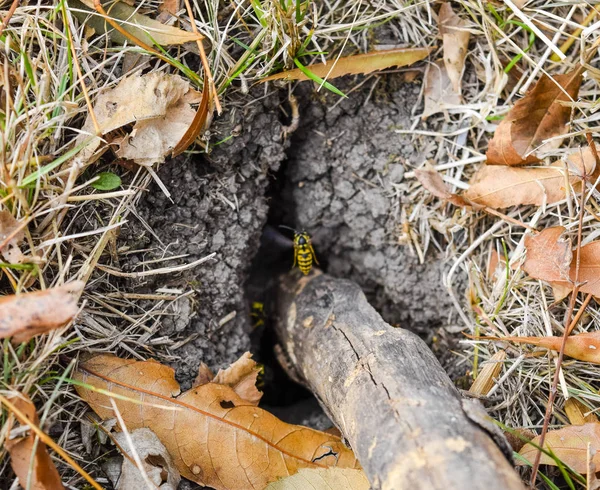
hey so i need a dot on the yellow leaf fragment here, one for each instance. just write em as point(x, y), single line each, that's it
point(488, 374)
point(578, 413)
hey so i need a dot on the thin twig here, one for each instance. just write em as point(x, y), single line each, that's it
point(11, 11)
point(567, 331)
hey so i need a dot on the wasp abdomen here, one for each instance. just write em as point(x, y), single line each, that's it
point(304, 252)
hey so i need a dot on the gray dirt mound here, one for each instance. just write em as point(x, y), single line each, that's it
point(345, 171)
point(219, 205)
point(341, 181)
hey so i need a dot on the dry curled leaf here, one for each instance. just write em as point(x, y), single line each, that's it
point(323, 479)
point(438, 92)
point(23, 316)
point(431, 180)
point(242, 376)
point(156, 461)
point(11, 235)
point(540, 115)
point(44, 475)
point(570, 445)
point(158, 104)
point(455, 39)
point(357, 64)
point(215, 437)
point(501, 187)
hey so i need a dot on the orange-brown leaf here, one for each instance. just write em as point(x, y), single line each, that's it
point(570, 445)
point(357, 64)
point(215, 437)
point(44, 475)
point(554, 268)
point(540, 115)
point(242, 376)
point(25, 315)
point(205, 375)
point(548, 255)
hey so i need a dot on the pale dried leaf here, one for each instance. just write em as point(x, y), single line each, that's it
point(44, 475)
point(569, 444)
point(241, 376)
point(10, 227)
point(431, 180)
point(323, 479)
point(548, 255)
point(154, 139)
point(438, 92)
point(501, 187)
point(137, 98)
point(538, 116)
point(157, 462)
point(215, 437)
point(455, 40)
point(357, 64)
point(147, 30)
point(25, 315)
point(158, 103)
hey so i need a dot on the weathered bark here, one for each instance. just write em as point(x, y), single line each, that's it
point(386, 392)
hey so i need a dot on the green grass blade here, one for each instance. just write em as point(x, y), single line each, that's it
point(318, 79)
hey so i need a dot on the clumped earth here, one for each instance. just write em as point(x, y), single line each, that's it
point(339, 176)
point(345, 173)
point(218, 205)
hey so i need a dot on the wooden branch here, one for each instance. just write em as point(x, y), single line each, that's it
point(386, 392)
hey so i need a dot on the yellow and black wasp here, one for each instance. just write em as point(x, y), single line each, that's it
point(304, 253)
